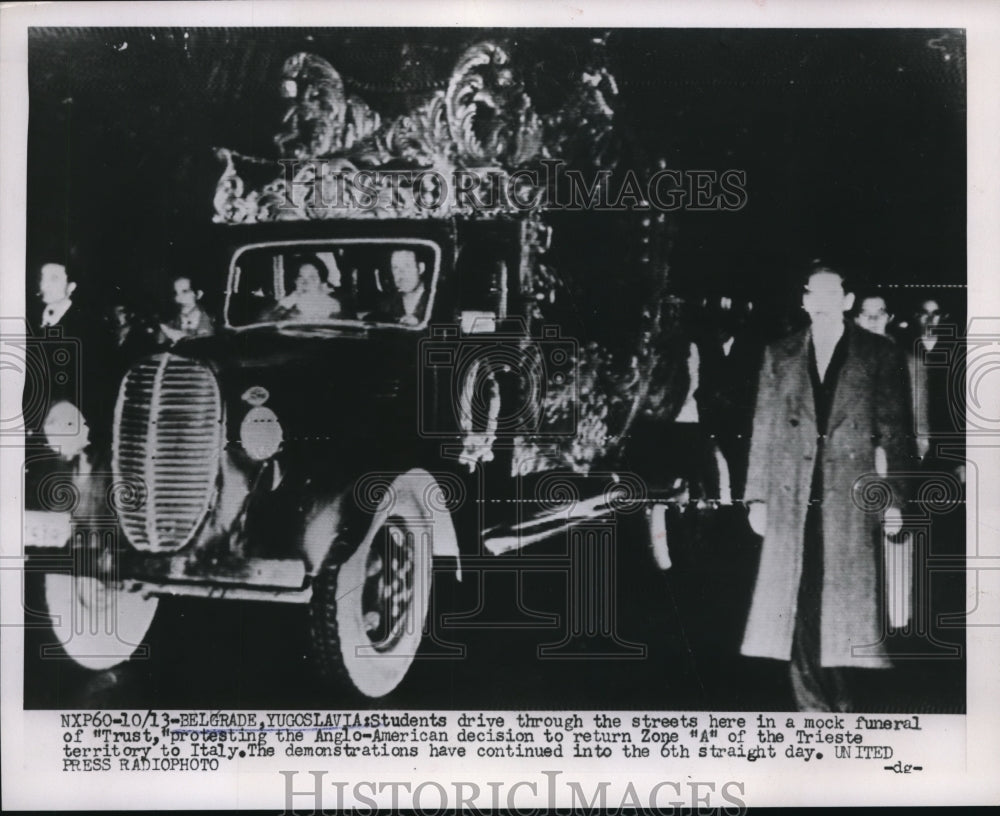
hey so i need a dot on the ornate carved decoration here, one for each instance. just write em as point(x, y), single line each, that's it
point(482, 125)
point(420, 138)
point(489, 114)
point(321, 119)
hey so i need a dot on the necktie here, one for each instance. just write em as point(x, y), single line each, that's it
point(49, 316)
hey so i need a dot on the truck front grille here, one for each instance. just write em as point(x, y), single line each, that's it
point(167, 437)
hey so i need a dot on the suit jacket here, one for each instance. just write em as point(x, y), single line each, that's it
point(73, 360)
point(391, 308)
point(870, 408)
point(937, 414)
point(727, 385)
point(204, 328)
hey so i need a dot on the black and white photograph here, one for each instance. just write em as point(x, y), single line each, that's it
point(468, 368)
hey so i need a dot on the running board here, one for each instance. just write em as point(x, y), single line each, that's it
point(232, 593)
point(253, 579)
point(280, 573)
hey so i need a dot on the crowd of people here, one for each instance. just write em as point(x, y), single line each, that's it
point(81, 352)
point(795, 431)
point(717, 382)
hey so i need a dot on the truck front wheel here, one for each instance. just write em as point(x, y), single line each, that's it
point(368, 612)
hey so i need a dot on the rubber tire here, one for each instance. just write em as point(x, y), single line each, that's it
point(341, 646)
point(98, 626)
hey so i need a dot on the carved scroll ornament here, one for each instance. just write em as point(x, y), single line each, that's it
point(482, 121)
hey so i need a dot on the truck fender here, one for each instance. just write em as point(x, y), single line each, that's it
point(352, 517)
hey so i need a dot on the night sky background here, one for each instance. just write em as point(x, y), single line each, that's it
point(853, 141)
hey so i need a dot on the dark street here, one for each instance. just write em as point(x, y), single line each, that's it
point(688, 622)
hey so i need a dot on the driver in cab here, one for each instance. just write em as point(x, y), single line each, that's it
point(407, 304)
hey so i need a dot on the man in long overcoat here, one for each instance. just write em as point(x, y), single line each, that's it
point(830, 396)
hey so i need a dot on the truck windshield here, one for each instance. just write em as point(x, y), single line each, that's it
point(383, 282)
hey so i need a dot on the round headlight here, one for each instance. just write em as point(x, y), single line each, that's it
point(66, 431)
point(261, 433)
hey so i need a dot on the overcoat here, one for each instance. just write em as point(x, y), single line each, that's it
point(870, 408)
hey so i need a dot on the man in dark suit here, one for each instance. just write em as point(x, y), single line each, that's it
point(829, 397)
point(727, 385)
point(56, 287)
point(937, 417)
point(407, 304)
point(191, 319)
point(73, 353)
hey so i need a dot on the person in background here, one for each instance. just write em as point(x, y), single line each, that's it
point(928, 317)
point(828, 397)
point(83, 377)
point(121, 317)
point(134, 336)
point(727, 382)
point(56, 287)
point(874, 315)
point(191, 319)
point(929, 380)
point(687, 454)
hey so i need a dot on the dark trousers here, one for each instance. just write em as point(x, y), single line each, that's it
point(690, 455)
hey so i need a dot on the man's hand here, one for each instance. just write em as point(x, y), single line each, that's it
point(923, 446)
point(758, 517)
point(881, 462)
point(892, 521)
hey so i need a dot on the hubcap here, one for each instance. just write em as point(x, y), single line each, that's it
point(388, 591)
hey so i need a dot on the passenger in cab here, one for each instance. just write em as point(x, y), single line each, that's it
point(312, 298)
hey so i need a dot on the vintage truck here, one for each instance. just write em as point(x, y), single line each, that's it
point(423, 362)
